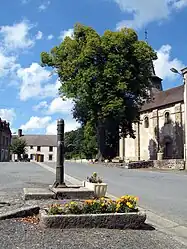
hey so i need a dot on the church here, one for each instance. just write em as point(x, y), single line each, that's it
point(161, 127)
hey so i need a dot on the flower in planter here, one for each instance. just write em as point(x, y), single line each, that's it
point(94, 178)
point(55, 209)
point(124, 204)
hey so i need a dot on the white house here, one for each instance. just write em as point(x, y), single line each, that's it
point(41, 148)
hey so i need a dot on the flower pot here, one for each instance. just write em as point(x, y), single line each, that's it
point(99, 189)
point(160, 156)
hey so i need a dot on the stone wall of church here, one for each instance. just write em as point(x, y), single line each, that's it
point(165, 131)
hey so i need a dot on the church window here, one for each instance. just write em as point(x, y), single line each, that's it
point(146, 122)
point(167, 118)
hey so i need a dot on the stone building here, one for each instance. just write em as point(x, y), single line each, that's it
point(161, 127)
point(5, 141)
point(42, 148)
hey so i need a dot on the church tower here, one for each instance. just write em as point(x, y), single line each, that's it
point(156, 81)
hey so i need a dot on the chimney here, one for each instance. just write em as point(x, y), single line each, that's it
point(19, 132)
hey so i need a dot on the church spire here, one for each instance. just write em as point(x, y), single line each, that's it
point(157, 81)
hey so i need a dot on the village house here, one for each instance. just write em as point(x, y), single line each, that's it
point(5, 141)
point(40, 148)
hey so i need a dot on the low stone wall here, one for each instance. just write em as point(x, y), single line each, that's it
point(140, 164)
point(114, 220)
point(177, 164)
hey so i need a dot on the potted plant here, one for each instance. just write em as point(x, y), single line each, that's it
point(160, 153)
point(96, 184)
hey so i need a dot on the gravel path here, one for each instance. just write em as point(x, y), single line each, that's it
point(19, 235)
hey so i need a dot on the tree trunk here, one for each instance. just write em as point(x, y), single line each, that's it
point(101, 141)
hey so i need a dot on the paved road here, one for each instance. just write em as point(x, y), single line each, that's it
point(16, 176)
point(14, 234)
point(164, 193)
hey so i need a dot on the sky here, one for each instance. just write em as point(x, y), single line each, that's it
point(29, 94)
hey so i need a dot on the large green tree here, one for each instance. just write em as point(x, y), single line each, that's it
point(107, 76)
point(18, 146)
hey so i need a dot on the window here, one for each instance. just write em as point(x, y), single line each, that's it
point(31, 147)
point(50, 148)
point(167, 118)
point(146, 122)
point(50, 157)
point(38, 148)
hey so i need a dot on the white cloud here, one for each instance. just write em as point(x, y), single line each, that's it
point(35, 82)
point(17, 36)
point(60, 106)
point(41, 105)
point(44, 6)
point(39, 35)
point(164, 63)
point(70, 125)
point(65, 33)
point(146, 11)
point(7, 114)
point(179, 4)
point(7, 64)
point(50, 37)
point(36, 123)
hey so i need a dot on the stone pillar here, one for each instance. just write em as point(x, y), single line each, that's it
point(137, 141)
point(122, 148)
point(60, 181)
point(184, 72)
point(178, 132)
point(155, 142)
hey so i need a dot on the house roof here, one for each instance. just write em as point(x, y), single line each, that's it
point(163, 98)
point(40, 140)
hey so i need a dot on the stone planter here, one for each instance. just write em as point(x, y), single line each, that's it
point(160, 156)
point(99, 189)
point(113, 220)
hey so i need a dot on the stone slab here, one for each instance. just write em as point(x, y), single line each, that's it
point(73, 193)
point(38, 194)
point(112, 221)
point(20, 212)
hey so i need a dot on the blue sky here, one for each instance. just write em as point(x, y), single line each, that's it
point(28, 96)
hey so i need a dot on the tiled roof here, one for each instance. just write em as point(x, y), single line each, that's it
point(163, 98)
point(40, 140)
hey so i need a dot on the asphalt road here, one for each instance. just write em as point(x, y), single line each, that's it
point(164, 193)
point(15, 234)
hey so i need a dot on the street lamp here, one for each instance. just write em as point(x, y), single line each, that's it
point(174, 70)
point(184, 76)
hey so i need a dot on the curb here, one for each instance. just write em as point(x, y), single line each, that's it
point(110, 220)
point(20, 212)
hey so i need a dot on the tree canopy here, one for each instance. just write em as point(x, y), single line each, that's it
point(80, 143)
point(18, 146)
point(107, 76)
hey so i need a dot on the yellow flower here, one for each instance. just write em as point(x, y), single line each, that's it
point(102, 204)
point(118, 205)
point(129, 205)
point(72, 203)
point(102, 198)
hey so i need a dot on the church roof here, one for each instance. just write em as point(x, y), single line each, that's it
point(164, 98)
